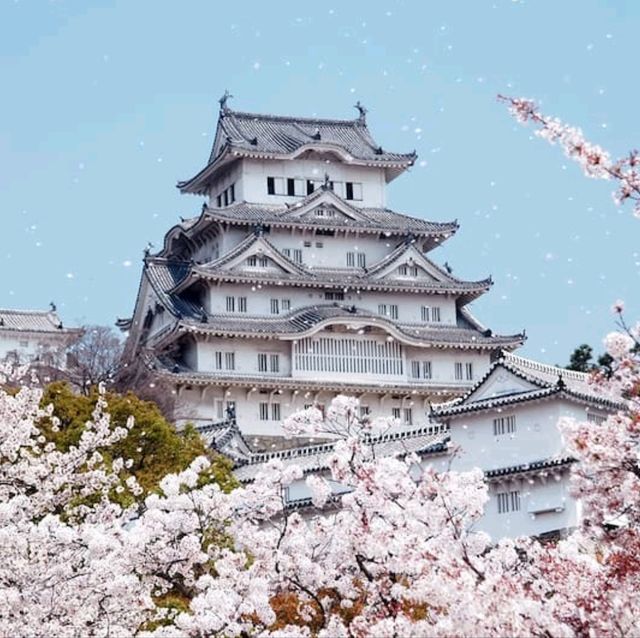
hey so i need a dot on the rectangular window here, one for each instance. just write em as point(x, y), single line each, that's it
point(291, 187)
point(362, 260)
point(349, 190)
point(297, 255)
point(275, 307)
point(232, 193)
point(421, 369)
point(395, 413)
point(242, 304)
point(310, 186)
point(231, 304)
point(403, 271)
point(307, 244)
point(319, 244)
point(275, 412)
point(271, 186)
point(218, 358)
point(413, 271)
point(508, 502)
point(365, 410)
point(458, 372)
point(252, 261)
point(225, 196)
point(262, 362)
point(274, 362)
point(407, 415)
point(429, 313)
point(285, 305)
point(504, 425)
point(351, 260)
point(334, 295)
point(357, 191)
point(219, 201)
point(592, 417)
point(390, 310)
point(286, 252)
point(230, 360)
point(468, 368)
point(264, 411)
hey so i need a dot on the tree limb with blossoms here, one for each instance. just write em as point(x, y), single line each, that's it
point(595, 161)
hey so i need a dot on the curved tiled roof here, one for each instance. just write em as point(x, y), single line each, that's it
point(281, 134)
point(241, 134)
point(369, 219)
point(313, 458)
point(303, 320)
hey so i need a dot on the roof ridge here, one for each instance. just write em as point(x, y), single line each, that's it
point(17, 311)
point(295, 118)
point(547, 368)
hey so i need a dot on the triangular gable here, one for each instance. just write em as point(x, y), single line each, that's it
point(499, 383)
point(408, 254)
point(259, 247)
point(325, 199)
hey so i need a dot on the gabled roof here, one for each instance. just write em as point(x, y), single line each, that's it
point(255, 244)
point(241, 134)
point(407, 252)
point(531, 381)
point(33, 321)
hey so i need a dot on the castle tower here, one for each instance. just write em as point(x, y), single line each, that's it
point(296, 283)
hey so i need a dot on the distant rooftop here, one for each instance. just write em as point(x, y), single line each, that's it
point(31, 321)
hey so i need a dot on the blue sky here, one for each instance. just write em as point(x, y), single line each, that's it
point(105, 105)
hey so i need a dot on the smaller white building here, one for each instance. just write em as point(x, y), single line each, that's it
point(35, 337)
point(506, 425)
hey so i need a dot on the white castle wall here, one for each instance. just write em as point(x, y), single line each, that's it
point(251, 181)
point(259, 300)
point(536, 436)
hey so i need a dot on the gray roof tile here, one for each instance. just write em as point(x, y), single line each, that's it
point(31, 321)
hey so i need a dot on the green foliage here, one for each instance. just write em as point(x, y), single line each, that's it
point(154, 445)
point(581, 359)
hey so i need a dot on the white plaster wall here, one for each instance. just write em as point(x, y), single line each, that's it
point(551, 487)
point(253, 181)
point(259, 300)
point(198, 404)
point(246, 356)
point(30, 346)
point(443, 363)
point(233, 175)
point(536, 437)
point(333, 253)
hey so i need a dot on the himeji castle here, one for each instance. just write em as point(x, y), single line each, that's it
point(296, 283)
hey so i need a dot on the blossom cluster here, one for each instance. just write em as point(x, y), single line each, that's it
point(594, 161)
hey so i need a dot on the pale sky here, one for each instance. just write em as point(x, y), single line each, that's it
point(106, 105)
